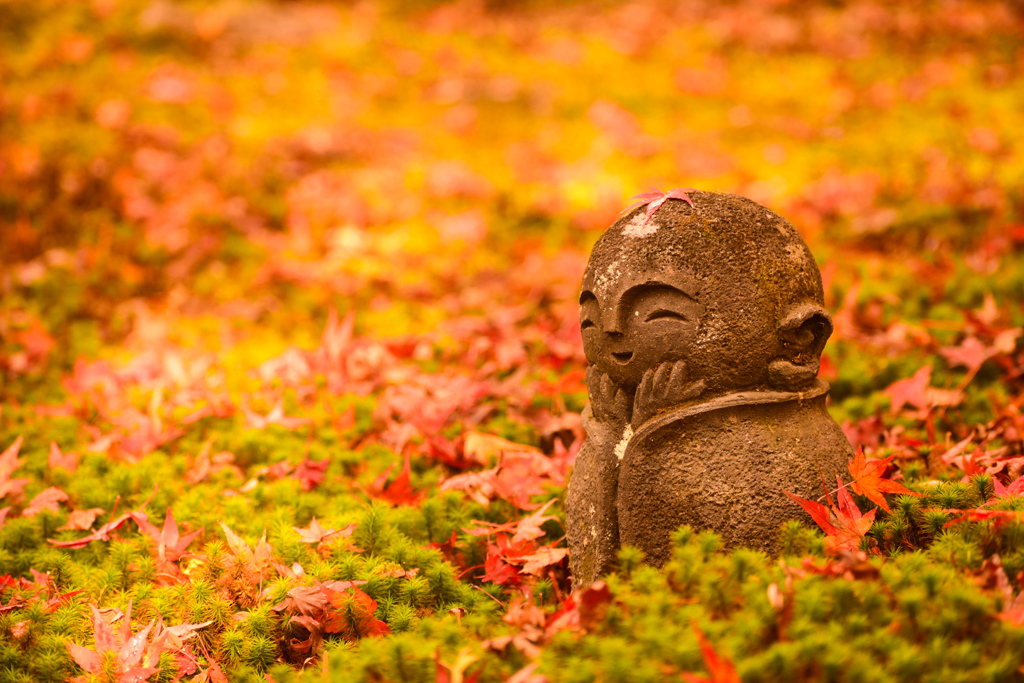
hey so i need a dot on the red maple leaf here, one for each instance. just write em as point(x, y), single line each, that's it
point(912, 390)
point(353, 614)
point(583, 610)
point(128, 649)
point(398, 492)
point(971, 353)
point(868, 480)
point(1016, 488)
point(171, 544)
point(720, 667)
point(918, 392)
point(1000, 518)
point(655, 198)
point(103, 533)
point(9, 461)
point(311, 472)
point(497, 570)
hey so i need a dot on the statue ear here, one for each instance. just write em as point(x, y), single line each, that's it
point(803, 331)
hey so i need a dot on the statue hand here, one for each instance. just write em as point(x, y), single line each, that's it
point(662, 387)
point(610, 403)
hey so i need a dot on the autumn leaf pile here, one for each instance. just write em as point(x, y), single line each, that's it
point(289, 350)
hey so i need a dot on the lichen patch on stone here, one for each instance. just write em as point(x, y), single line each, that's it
point(620, 448)
point(637, 228)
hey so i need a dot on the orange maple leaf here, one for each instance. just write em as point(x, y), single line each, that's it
point(720, 667)
point(255, 561)
point(868, 480)
point(850, 523)
point(353, 616)
point(315, 533)
point(67, 461)
point(47, 499)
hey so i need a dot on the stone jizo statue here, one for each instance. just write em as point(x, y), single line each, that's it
point(703, 326)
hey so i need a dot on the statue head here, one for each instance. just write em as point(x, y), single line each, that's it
point(726, 285)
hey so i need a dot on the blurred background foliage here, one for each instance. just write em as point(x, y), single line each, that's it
point(190, 193)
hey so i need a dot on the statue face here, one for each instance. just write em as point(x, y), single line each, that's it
point(639, 324)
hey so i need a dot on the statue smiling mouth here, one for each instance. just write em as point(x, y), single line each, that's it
point(622, 357)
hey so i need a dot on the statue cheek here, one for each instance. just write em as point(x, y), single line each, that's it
point(668, 342)
point(590, 347)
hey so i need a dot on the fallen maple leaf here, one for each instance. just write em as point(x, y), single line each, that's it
point(655, 198)
point(311, 472)
point(9, 461)
point(918, 392)
point(528, 528)
point(971, 353)
point(720, 667)
point(353, 616)
point(912, 390)
point(867, 479)
point(479, 447)
point(584, 610)
point(851, 523)
point(81, 520)
point(399, 491)
point(1013, 613)
point(497, 570)
point(1016, 488)
point(103, 533)
point(854, 524)
point(47, 499)
point(1000, 518)
point(314, 643)
point(171, 544)
point(315, 533)
point(254, 561)
point(177, 635)
point(535, 563)
point(818, 512)
point(306, 600)
point(128, 649)
point(66, 461)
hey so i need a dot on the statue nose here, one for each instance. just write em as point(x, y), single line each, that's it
point(614, 334)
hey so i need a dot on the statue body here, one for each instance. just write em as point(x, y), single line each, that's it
point(703, 327)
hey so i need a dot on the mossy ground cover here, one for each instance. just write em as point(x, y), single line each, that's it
point(291, 372)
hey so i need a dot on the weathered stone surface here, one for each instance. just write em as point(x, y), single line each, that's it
point(704, 329)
